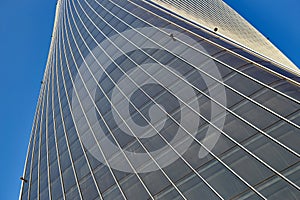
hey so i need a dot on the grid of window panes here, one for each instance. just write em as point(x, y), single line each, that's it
point(255, 157)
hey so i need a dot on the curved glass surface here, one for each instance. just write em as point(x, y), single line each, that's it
point(136, 104)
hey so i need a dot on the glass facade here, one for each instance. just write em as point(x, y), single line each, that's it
point(140, 103)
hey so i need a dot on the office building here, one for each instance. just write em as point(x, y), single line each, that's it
point(163, 99)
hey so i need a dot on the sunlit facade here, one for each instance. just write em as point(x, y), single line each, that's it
point(163, 99)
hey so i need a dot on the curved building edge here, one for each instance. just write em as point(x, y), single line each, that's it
point(262, 47)
point(58, 6)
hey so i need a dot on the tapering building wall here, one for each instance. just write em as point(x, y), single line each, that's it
point(213, 14)
point(139, 102)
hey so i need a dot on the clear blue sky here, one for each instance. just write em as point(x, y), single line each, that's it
point(25, 32)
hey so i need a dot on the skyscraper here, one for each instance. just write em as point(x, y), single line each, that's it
point(163, 99)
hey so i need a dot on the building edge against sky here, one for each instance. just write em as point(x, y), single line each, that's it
point(240, 66)
point(230, 25)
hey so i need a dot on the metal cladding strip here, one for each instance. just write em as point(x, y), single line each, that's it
point(230, 25)
point(297, 72)
point(197, 140)
point(47, 132)
point(245, 149)
point(60, 108)
point(36, 143)
point(129, 162)
point(40, 140)
point(68, 67)
point(64, 45)
point(38, 121)
point(31, 145)
point(54, 125)
point(44, 125)
point(241, 146)
point(82, 148)
point(50, 55)
point(145, 120)
point(53, 37)
point(37, 113)
point(62, 71)
point(61, 38)
point(154, 129)
point(261, 131)
point(220, 104)
point(162, 137)
point(272, 180)
point(202, 144)
point(242, 73)
point(206, 150)
point(129, 127)
point(31, 142)
point(62, 119)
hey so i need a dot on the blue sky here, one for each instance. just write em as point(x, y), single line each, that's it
point(25, 33)
point(277, 20)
